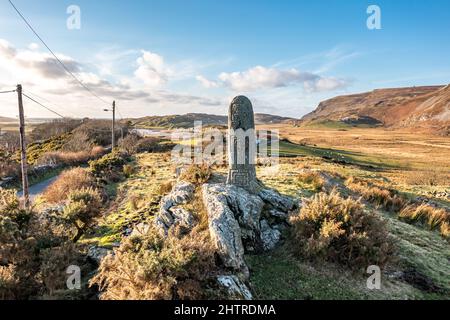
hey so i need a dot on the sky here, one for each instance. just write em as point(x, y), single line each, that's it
point(161, 57)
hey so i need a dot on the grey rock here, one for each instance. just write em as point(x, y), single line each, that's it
point(236, 289)
point(170, 213)
point(278, 201)
point(98, 253)
point(270, 237)
point(224, 228)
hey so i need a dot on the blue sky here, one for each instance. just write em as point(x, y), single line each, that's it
point(167, 57)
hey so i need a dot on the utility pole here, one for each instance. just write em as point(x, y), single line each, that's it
point(23, 149)
point(113, 143)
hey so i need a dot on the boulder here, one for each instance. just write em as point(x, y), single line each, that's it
point(235, 288)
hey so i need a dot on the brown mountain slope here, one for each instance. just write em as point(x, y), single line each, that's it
point(426, 106)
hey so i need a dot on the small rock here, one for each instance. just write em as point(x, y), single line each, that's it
point(278, 201)
point(97, 253)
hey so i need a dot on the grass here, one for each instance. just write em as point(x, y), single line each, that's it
point(384, 158)
point(280, 276)
point(136, 199)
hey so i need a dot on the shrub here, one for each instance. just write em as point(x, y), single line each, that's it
point(129, 144)
point(312, 178)
point(425, 214)
point(82, 208)
point(33, 260)
point(445, 230)
point(388, 199)
point(339, 230)
point(68, 181)
point(67, 158)
point(197, 174)
point(154, 267)
point(109, 163)
point(9, 168)
point(128, 170)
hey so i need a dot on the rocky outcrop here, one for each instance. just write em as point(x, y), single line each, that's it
point(172, 213)
point(242, 222)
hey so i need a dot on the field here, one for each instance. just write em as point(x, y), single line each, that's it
point(396, 160)
point(393, 173)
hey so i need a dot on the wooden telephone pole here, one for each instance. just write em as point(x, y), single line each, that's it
point(113, 143)
point(23, 149)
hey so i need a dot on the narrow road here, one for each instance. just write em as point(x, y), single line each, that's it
point(38, 188)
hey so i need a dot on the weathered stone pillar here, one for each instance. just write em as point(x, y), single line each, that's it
point(242, 144)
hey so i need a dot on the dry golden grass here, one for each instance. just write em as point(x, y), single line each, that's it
point(377, 195)
point(196, 174)
point(312, 178)
point(69, 181)
point(433, 218)
point(72, 158)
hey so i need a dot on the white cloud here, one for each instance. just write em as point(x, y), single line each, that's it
point(152, 70)
point(40, 73)
point(325, 84)
point(33, 46)
point(207, 83)
point(262, 78)
point(259, 77)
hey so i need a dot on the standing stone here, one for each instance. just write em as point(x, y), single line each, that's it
point(242, 144)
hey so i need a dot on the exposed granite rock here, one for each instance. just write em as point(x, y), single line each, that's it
point(235, 288)
point(224, 228)
point(171, 213)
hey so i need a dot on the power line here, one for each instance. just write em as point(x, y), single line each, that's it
point(54, 55)
point(53, 104)
point(25, 95)
point(8, 91)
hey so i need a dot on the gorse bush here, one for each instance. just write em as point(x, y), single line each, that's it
point(155, 267)
point(108, 164)
point(339, 230)
point(196, 174)
point(33, 259)
point(67, 182)
point(82, 207)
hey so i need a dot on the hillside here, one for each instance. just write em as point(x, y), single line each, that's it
point(5, 119)
point(187, 120)
point(426, 107)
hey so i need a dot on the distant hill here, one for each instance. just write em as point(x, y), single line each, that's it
point(5, 119)
point(425, 107)
point(187, 120)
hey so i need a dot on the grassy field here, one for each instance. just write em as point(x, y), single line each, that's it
point(414, 165)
